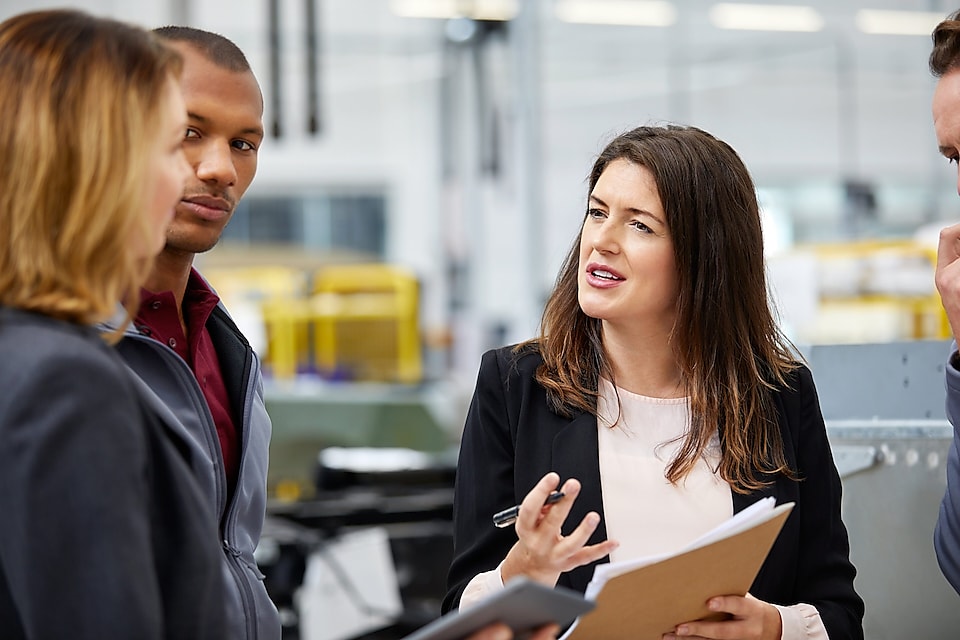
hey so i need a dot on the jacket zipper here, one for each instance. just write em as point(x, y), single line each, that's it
point(227, 523)
point(230, 514)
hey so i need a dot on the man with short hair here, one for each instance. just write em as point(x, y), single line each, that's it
point(205, 378)
point(945, 65)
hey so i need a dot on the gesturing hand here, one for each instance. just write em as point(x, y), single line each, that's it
point(542, 553)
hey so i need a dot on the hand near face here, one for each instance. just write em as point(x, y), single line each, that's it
point(542, 552)
point(947, 276)
point(500, 631)
point(751, 619)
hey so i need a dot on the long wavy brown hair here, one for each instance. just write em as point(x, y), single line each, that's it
point(728, 346)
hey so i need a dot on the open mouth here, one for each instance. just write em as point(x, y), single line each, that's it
point(603, 274)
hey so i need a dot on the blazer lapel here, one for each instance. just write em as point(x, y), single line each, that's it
point(576, 455)
point(742, 501)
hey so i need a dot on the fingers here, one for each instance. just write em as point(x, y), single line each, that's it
point(572, 546)
point(495, 631)
point(751, 619)
point(736, 606)
point(586, 555)
point(947, 277)
point(532, 509)
point(547, 632)
point(500, 631)
point(542, 552)
point(948, 249)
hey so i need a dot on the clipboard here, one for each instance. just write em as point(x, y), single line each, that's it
point(650, 600)
point(523, 605)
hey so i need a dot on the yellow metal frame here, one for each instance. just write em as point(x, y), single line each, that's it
point(362, 293)
point(927, 316)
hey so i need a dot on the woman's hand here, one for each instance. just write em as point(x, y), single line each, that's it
point(542, 553)
point(500, 631)
point(752, 620)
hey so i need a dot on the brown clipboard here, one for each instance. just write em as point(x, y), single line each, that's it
point(649, 601)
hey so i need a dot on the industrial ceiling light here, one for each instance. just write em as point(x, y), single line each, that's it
point(644, 13)
point(901, 23)
point(765, 17)
point(494, 10)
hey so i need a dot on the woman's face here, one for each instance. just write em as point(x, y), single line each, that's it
point(627, 271)
point(168, 167)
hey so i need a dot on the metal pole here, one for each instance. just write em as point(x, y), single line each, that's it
point(180, 12)
point(276, 104)
point(313, 73)
point(525, 37)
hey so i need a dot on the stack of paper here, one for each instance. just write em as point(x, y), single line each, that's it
point(646, 597)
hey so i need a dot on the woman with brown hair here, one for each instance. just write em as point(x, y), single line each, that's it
point(661, 390)
point(102, 532)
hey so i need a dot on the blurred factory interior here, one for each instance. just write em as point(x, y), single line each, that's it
point(423, 176)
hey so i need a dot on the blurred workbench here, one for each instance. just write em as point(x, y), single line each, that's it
point(309, 415)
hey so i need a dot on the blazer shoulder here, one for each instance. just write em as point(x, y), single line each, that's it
point(798, 382)
point(40, 343)
point(511, 362)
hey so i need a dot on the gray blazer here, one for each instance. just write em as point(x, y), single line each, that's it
point(946, 536)
point(103, 532)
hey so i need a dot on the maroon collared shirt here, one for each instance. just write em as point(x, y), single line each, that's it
point(158, 319)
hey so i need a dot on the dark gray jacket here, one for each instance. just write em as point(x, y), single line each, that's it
point(103, 531)
point(179, 401)
point(946, 537)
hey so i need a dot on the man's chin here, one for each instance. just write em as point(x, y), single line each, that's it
point(190, 245)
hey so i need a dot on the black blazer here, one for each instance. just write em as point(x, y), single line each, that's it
point(511, 439)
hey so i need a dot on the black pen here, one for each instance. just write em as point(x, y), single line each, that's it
point(507, 517)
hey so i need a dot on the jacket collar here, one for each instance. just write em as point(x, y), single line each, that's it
point(116, 320)
point(576, 455)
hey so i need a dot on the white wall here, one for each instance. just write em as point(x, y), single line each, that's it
point(804, 111)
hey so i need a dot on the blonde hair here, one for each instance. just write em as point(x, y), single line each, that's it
point(78, 114)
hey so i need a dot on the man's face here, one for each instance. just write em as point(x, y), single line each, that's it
point(946, 117)
point(224, 132)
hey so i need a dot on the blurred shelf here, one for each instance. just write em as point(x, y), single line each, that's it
point(309, 415)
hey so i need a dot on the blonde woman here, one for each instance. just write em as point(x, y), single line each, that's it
point(102, 531)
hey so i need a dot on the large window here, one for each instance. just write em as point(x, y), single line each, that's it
point(353, 222)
